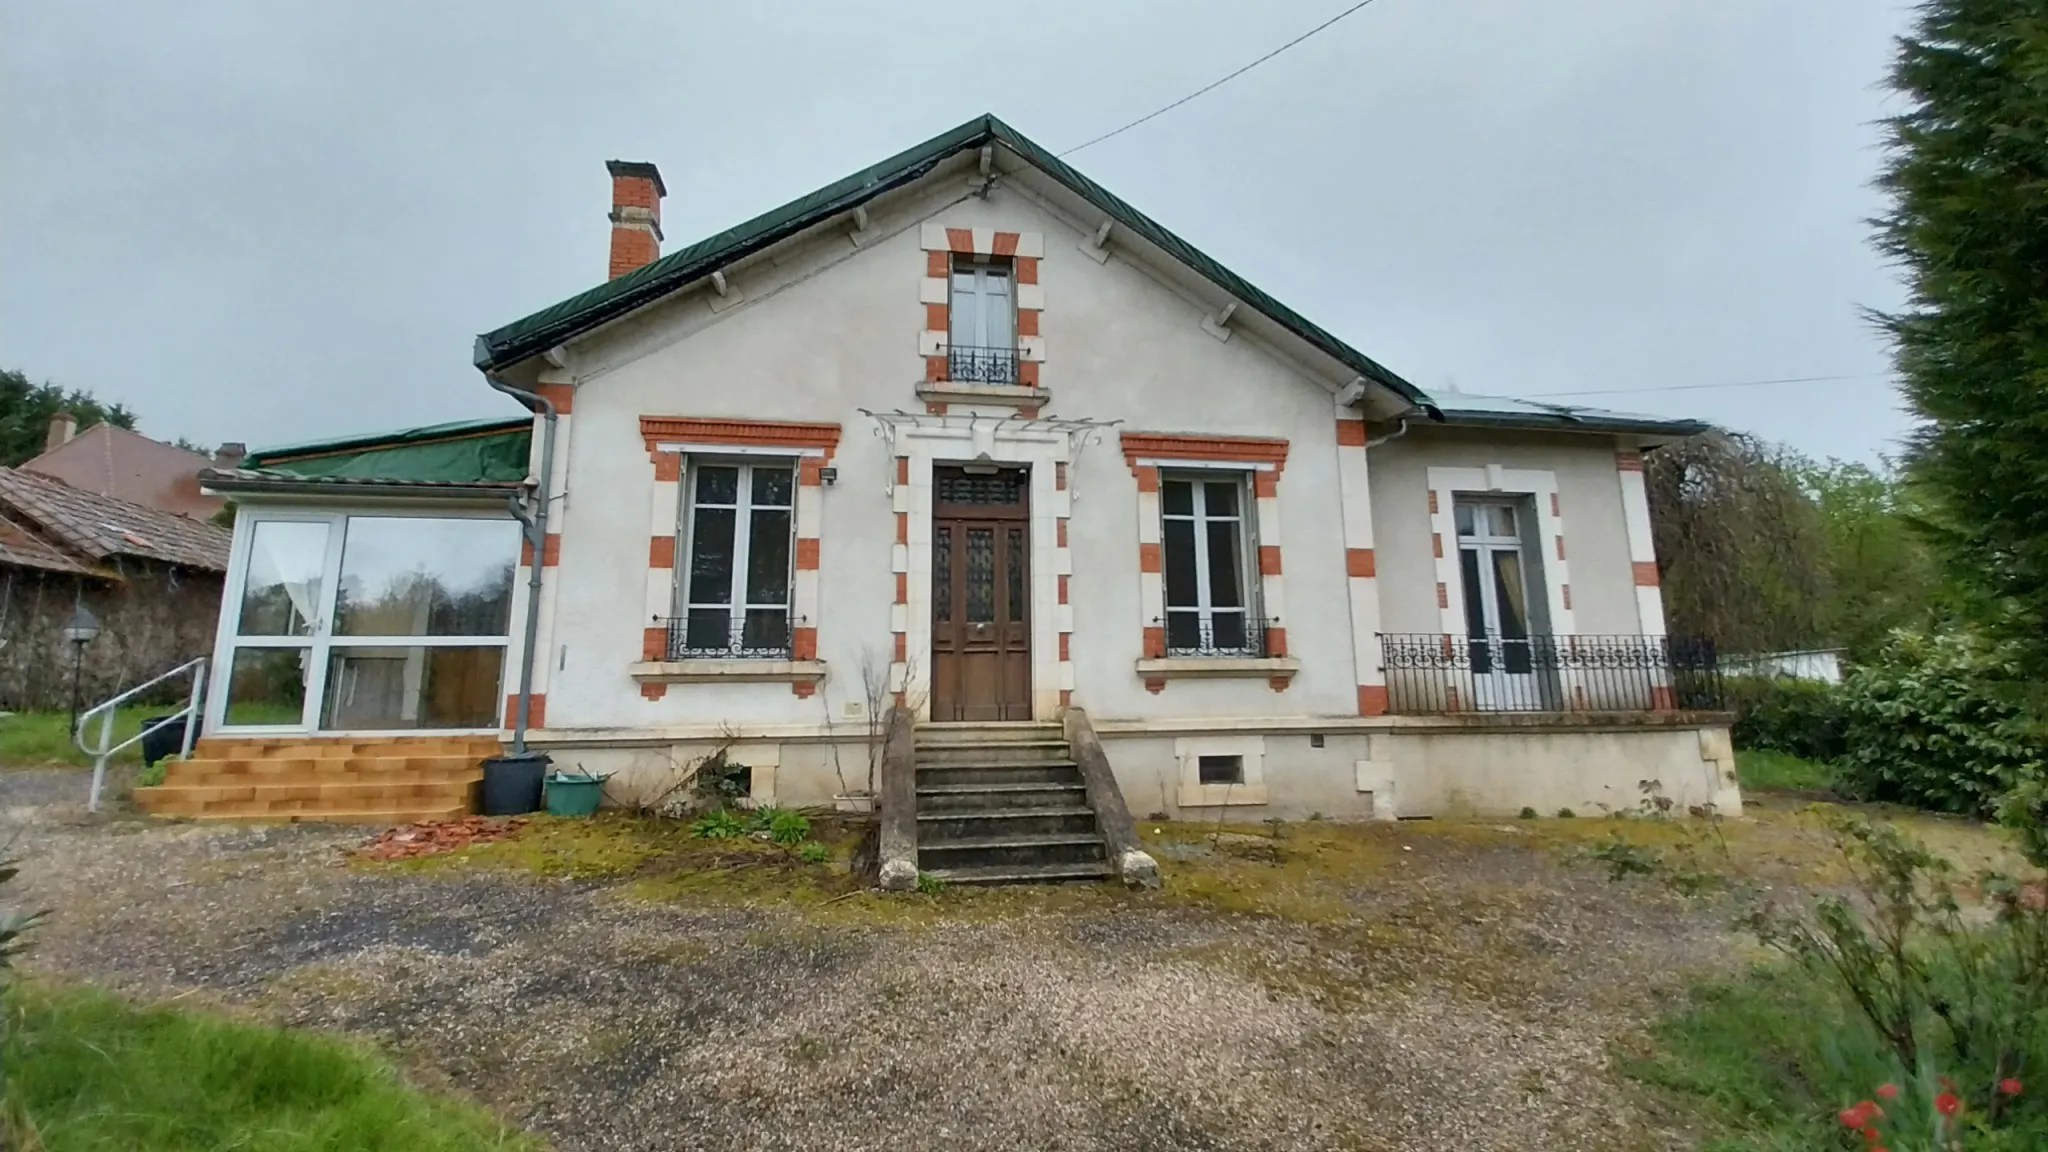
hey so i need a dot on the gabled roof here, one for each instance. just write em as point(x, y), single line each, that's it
point(606, 302)
point(100, 527)
point(129, 466)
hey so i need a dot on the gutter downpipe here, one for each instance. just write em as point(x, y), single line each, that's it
point(1396, 434)
point(535, 524)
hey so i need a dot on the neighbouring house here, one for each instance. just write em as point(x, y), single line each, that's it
point(152, 580)
point(966, 433)
point(129, 466)
point(1821, 664)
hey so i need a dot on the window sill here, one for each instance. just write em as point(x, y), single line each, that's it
point(729, 672)
point(984, 394)
point(1219, 667)
point(1222, 795)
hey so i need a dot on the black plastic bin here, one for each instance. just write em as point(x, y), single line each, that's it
point(512, 784)
point(162, 736)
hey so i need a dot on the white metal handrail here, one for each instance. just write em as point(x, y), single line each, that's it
point(104, 712)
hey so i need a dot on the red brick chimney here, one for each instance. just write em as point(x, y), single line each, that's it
point(636, 214)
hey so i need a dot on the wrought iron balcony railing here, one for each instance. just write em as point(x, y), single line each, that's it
point(759, 634)
point(981, 365)
point(1430, 673)
point(1221, 635)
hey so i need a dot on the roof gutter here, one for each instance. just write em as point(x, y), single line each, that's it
point(531, 510)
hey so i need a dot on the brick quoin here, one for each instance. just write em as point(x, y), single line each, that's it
point(938, 265)
point(1372, 700)
point(1005, 244)
point(537, 713)
point(1027, 269)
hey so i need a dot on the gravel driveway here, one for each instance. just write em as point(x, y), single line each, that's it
point(1464, 1002)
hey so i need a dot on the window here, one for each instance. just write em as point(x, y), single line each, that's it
point(1496, 582)
point(982, 314)
point(1206, 552)
point(1219, 769)
point(735, 585)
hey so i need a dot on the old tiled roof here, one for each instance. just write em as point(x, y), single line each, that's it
point(99, 527)
point(24, 549)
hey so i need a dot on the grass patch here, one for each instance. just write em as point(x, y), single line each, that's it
point(1763, 770)
point(1763, 1063)
point(93, 1073)
point(35, 739)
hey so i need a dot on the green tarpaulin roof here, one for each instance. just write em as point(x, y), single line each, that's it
point(578, 314)
point(467, 452)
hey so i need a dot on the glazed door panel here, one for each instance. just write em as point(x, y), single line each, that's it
point(981, 600)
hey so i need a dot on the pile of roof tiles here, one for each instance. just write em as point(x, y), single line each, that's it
point(410, 840)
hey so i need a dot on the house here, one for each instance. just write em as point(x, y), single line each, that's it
point(129, 466)
point(151, 579)
point(966, 434)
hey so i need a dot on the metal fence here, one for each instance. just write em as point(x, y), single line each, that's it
point(757, 635)
point(1432, 673)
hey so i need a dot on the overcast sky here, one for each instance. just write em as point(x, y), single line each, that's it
point(270, 222)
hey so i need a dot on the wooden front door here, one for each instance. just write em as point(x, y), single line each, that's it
point(981, 594)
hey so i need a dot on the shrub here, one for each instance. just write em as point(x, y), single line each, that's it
point(789, 828)
point(1938, 722)
point(812, 852)
point(1803, 718)
point(719, 825)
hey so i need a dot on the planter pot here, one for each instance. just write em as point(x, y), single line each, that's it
point(512, 784)
point(854, 802)
point(574, 793)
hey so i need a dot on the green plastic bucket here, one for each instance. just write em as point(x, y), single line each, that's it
point(574, 793)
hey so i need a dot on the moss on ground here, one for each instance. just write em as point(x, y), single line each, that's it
point(1317, 872)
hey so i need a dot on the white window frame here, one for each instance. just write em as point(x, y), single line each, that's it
point(317, 645)
point(736, 606)
point(1249, 584)
point(990, 293)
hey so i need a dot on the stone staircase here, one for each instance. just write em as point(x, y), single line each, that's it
point(393, 780)
point(1003, 803)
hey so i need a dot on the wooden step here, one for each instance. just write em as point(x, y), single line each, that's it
point(381, 817)
point(299, 747)
point(283, 799)
point(335, 769)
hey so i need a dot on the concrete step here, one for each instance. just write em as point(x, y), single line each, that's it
point(943, 827)
point(1024, 874)
point(999, 754)
point(956, 797)
point(1011, 851)
point(1001, 772)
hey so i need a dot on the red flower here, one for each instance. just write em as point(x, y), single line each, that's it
point(1861, 1115)
point(2009, 1087)
point(1872, 1135)
point(1948, 1104)
point(1888, 1091)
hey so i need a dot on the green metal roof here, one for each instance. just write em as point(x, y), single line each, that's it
point(1470, 410)
point(464, 452)
point(581, 313)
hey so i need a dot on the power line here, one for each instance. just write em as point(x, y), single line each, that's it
point(1219, 83)
point(1697, 387)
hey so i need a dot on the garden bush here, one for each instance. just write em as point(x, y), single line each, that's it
point(1937, 722)
point(1802, 718)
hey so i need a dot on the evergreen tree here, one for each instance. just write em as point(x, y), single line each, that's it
point(26, 409)
point(1967, 174)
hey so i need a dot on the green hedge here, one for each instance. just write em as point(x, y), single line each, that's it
point(1803, 718)
point(1938, 722)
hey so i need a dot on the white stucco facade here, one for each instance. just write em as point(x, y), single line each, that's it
point(819, 350)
